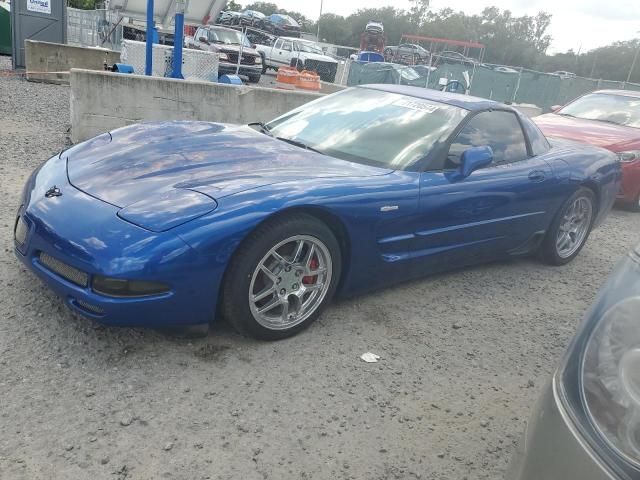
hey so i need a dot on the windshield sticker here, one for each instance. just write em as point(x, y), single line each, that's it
point(416, 105)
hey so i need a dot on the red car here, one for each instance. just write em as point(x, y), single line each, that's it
point(609, 119)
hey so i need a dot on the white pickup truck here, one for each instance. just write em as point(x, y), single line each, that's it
point(300, 53)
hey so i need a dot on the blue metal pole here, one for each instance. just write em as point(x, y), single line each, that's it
point(148, 69)
point(176, 71)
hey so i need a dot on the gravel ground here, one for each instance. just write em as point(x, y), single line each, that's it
point(464, 355)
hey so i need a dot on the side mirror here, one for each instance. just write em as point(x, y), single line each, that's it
point(474, 158)
point(253, 45)
point(555, 108)
point(203, 40)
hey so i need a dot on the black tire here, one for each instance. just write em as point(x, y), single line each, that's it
point(297, 63)
point(237, 282)
point(264, 63)
point(635, 206)
point(254, 79)
point(548, 249)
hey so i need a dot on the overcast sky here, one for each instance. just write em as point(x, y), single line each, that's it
point(576, 24)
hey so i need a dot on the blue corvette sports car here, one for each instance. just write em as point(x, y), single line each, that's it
point(175, 223)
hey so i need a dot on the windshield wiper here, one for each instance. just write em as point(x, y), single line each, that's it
point(298, 143)
point(263, 128)
point(566, 115)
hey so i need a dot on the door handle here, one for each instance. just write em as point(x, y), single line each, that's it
point(537, 176)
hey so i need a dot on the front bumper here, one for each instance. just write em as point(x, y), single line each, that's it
point(552, 449)
point(630, 190)
point(245, 70)
point(85, 234)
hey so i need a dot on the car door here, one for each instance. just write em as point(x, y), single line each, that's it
point(273, 53)
point(496, 210)
point(201, 33)
point(405, 52)
point(287, 52)
point(282, 52)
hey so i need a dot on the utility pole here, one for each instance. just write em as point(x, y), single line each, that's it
point(318, 35)
point(635, 59)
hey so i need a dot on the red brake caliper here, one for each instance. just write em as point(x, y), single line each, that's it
point(310, 280)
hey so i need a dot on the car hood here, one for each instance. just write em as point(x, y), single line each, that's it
point(318, 57)
point(135, 163)
point(612, 137)
point(228, 48)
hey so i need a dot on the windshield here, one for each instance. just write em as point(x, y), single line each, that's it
point(309, 48)
point(370, 126)
point(603, 107)
point(288, 20)
point(228, 37)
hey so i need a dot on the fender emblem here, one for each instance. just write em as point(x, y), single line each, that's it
point(389, 208)
point(53, 192)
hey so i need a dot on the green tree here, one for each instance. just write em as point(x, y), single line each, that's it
point(267, 8)
point(395, 21)
point(611, 62)
point(83, 4)
point(418, 11)
point(233, 6)
point(334, 29)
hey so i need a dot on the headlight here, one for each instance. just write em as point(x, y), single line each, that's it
point(223, 57)
point(629, 156)
point(258, 60)
point(118, 287)
point(599, 380)
point(611, 378)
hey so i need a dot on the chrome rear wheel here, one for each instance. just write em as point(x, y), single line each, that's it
point(574, 227)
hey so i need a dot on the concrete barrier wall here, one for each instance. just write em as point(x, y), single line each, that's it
point(45, 57)
point(103, 101)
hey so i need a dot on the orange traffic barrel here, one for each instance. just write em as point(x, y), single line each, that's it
point(308, 80)
point(288, 75)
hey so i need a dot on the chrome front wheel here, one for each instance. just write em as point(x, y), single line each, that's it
point(574, 226)
point(290, 282)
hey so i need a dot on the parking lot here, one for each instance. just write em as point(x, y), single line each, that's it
point(463, 357)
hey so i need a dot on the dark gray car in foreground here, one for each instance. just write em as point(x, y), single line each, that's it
point(586, 426)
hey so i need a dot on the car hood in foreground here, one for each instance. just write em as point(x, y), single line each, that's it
point(607, 135)
point(135, 163)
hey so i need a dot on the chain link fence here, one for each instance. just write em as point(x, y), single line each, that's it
point(496, 82)
point(196, 64)
point(93, 28)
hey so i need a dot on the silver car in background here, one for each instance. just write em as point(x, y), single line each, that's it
point(586, 426)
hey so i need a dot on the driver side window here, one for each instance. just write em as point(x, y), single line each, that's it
point(286, 45)
point(498, 129)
